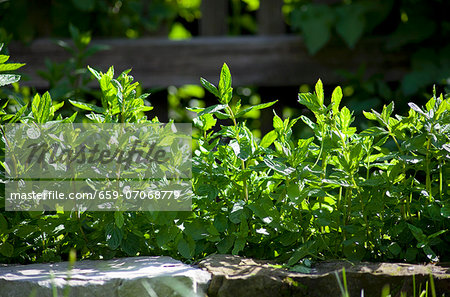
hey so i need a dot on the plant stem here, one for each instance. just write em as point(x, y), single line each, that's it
point(428, 177)
point(243, 166)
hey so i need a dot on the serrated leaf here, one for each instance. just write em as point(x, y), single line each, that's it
point(212, 109)
point(209, 86)
point(369, 115)
point(254, 107)
point(11, 66)
point(4, 58)
point(445, 212)
point(184, 249)
point(87, 106)
point(131, 244)
point(6, 249)
point(417, 232)
point(307, 248)
point(242, 148)
point(95, 73)
point(119, 219)
point(225, 244)
point(225, 89)
point(7, 79)
point(113, 235)
point(336, 98)
point(394, 248)
point(351, 23)
point(315, 21)
point(277, 122)
point(268, 139)
point(3, 224)
point(40, 106)
point(374, 131)
point(239, 245)
point(319, 92)
point(279, 167)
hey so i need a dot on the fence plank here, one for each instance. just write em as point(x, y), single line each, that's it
point(214, 18)
point(255, 60)
point(270, 17)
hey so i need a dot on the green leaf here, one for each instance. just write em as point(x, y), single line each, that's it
point(165, 235)
point(237, 212)
point(239, 245)
point(7, 79)
point(394, 248)
point(131, 244)
point(277, 122)
point(308, 122)
point(431, 255)
point(212, 109)
point(293, 192)
point(445, 211)
point(242, 148)
point(307, 248)
point(254, 107)
point(56, 107)
point(84, 5)
point(315, 21)
point(40, 106)
point(311, 101)
point(416, 29)
point(370, 116)
point(220, 222)
point(268, 139)
point(4, 58)
point(87, 106)
point(354, 251)
point(95, 73)
point(336, 98)
point(118, 219)
point(184, 249)
point(417, 232)
point(210, 87)
point(374, 131)
point(6, 249)
point(351, 23)
point(225, 244)
point(279, 167)
point(3, 224)
point(319, 92)
point(113, 235)
point(387, 111)
point(225, 89)
point(10, 66)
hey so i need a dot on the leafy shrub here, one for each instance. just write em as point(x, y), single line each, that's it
point(380, 194)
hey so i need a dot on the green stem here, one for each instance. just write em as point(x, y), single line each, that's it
point(243, 165)
point(441, 179)
point(428, 177)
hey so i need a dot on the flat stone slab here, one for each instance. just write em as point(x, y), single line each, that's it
point(237, 276)
point(134, 276)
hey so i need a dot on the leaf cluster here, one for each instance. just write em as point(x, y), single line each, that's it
point(381, 194)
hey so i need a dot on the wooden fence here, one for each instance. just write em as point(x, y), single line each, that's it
point(270, 58)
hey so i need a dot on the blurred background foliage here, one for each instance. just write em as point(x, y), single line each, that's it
point(418, 28)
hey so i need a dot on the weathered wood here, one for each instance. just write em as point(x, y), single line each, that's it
point(270, 18)
point(214, 18)
point(255, 60)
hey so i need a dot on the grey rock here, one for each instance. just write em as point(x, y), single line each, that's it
point(134, 276)
point(236, 276)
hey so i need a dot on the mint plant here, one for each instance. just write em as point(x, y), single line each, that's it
point(381, 194)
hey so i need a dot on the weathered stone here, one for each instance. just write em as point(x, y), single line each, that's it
point(236, 276)
point(137, 276)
